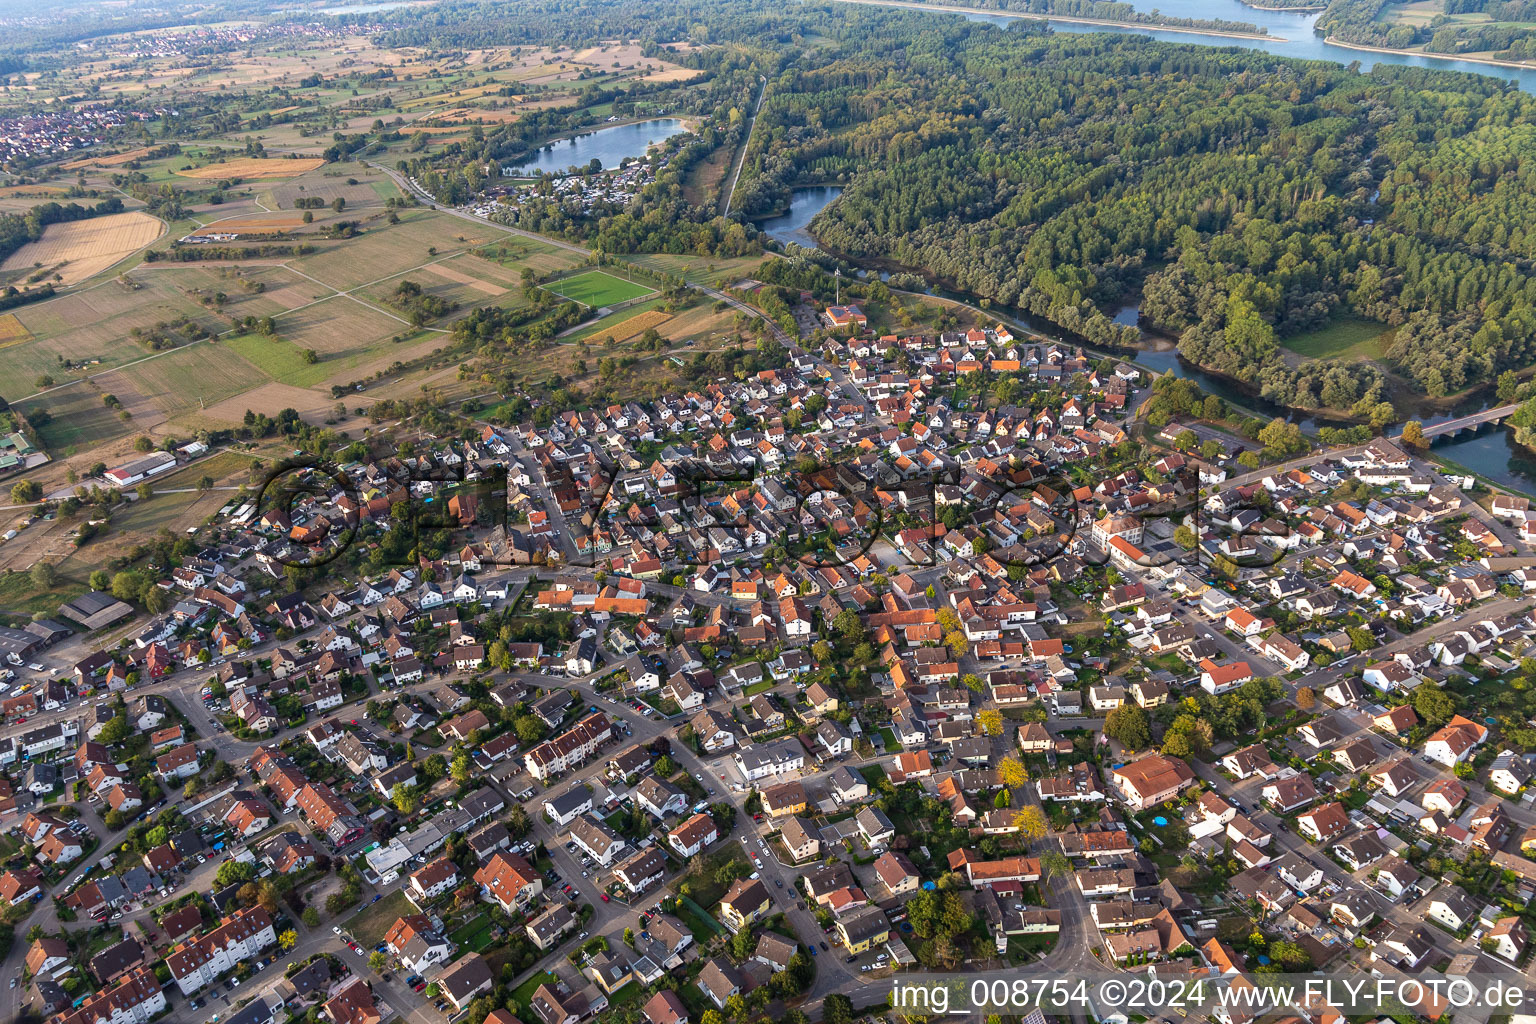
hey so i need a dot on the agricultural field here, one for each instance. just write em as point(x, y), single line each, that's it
point(253, 167)
point(12, 331)
point(69, 351)
point(77, 418)
point(311, 404)
point(90, 328)
point(698, 269)
point(158, 389)
point(81, 249)
point(384, 251)
point(107, 160)
point(337, 326)
point(519, 252)
point(258, 225)
point(279, 359)
point(359, 187)
point(598, 289)
point(625, 330)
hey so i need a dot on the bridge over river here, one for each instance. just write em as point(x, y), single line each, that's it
point(1471, 424)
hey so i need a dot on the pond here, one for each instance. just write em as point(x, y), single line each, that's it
point(611, 146)
point(804, 203)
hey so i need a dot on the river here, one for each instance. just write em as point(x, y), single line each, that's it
point(609, 145)
point(1292, 32)
point(1491, 452)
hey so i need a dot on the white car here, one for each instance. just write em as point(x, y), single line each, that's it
point(336, 928)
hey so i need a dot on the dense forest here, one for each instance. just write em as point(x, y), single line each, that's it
point(1247, 198)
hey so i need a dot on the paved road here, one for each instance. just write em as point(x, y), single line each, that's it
point(741, 158)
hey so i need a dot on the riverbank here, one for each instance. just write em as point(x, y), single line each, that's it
point(1336, 41)
point(1324, 417)
point(1125, 26)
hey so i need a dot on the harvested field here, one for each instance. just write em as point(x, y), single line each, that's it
point(254, 167)
point(280, 222)
point(109, 160)
point(269, 398)
point(12, 331)
point(84, 248)
point(674, 75)
point(636, 325)
point(449, 273)
point(32, 191)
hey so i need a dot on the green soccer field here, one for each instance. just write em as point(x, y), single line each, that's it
point(595, 288)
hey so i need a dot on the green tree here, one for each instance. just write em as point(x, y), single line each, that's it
point(233, 871)
point(835, 1009)
point(1433, 704)
point(1129, 726)
point(115, 731)
point(1360, 638)
point(849, 625)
